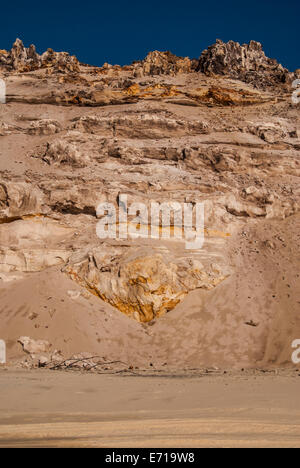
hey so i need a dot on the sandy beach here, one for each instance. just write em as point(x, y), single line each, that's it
point(58, 409)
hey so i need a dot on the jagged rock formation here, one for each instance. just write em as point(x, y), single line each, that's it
point(246, 62)
point(22, 59)
point(157, 131)
point(163, 63)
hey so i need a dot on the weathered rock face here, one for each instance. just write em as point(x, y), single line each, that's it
point(246, 62)
point(44, 127)
point(18, 199)
point(23, 59)
point(62, 152)
point(31, 244)
point(164, 63)
point(146, 287)
point(59, 61)
point(140, 125)
point(30, 260)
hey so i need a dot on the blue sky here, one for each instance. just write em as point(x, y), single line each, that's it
point(120, 32)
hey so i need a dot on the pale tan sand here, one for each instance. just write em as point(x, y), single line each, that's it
point(55, 409)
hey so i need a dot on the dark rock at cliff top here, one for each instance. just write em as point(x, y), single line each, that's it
point(246, 62)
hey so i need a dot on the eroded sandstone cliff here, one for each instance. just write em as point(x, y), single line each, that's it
point(221, 130)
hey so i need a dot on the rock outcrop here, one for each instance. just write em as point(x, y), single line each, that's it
point(163, 63)
point(59, 61)
point(246, 62)
point(23, 59)
point(31, 346)
point(146, 287)
point(18, 199)
point(44, 127)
